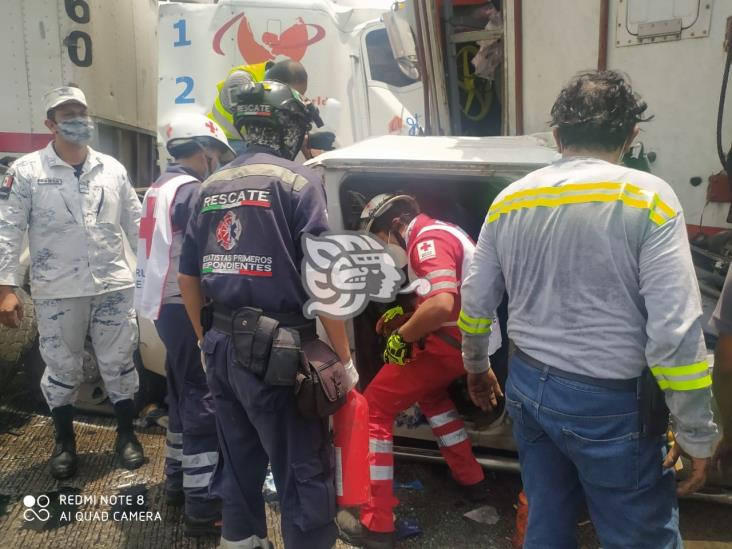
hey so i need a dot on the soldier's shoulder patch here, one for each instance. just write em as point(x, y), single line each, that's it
point(7, 184)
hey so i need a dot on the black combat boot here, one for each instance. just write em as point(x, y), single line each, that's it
point(63, 458)
point(475, 493)
point(128, 448)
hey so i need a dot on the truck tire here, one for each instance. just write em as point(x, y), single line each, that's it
point(15, 342)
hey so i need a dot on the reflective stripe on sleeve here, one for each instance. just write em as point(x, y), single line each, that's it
point(451, 439)
point(381, 446)
point(474, 326)
point(441, 273)
point(581, 193)
point(382, 472)
point(443, 419)
point(683, 378)
point(443, 285)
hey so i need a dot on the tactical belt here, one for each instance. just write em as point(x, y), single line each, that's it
point(221, 320)
point(628, 385)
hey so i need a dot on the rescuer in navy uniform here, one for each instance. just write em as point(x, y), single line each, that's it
point(241, 257)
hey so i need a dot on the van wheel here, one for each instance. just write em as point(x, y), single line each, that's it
point(15, 342)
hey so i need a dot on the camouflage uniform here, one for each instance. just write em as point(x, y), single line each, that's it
point(80, 280)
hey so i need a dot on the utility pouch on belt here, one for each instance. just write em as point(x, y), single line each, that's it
point(653, 412)
point(262, 346)
point(320, 387)
point(252, 334)
point(284, 357)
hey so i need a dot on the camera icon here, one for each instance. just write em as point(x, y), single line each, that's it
point(36, 508)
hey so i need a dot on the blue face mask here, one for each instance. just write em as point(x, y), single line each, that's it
point(78, 130)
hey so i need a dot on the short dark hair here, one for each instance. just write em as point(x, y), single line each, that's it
point(288, 72)
point(597, 109)
point(403, 209)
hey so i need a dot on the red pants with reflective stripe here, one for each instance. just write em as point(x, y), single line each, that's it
point(395, 388)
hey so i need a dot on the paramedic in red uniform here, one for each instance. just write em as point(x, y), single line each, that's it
point(422, 358)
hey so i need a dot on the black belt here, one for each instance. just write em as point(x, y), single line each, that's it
point(222, 316)
point(628, 385)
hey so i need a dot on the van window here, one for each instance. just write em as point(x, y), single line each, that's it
point(382, 65)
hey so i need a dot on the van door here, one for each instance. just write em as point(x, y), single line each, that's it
point(395, 100)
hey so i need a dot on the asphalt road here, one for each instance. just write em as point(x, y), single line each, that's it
point(439, 510)
point(434, 503)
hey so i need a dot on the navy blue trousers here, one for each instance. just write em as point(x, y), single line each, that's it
point(192, 443)
point(259, 424)
point(577, 443)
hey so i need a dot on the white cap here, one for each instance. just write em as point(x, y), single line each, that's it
point(64, 94)
point(187, 126)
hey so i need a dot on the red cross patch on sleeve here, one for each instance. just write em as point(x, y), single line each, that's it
point(426, 250)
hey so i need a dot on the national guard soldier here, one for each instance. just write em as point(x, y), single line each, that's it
point(242, 253)
point(198, 145)
point(78, 206)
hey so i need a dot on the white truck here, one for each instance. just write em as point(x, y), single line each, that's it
point(343, 45)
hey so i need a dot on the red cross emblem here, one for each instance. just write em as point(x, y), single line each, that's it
point(426, 250)
point(147, 225)
point(211, 127)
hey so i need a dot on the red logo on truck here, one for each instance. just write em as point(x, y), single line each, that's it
point(292, 43)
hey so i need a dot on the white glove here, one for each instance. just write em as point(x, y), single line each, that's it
point(351, 374)
point(203, 357)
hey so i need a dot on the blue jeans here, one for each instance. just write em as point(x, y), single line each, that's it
point(580, 442)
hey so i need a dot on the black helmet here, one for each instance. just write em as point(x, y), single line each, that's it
point(276, 107)
point(258, 101)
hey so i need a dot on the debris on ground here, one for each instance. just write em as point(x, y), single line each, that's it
point(407, 528)
point(484, 515)
point(415, 484)
point(153, 415)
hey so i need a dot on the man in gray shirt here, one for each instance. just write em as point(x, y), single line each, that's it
point(602, 300)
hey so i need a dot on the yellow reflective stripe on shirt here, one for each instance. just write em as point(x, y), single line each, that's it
point(690, 385)
point(579, 193)
point(683, 378)
point(676, 371)
point(475, 326)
